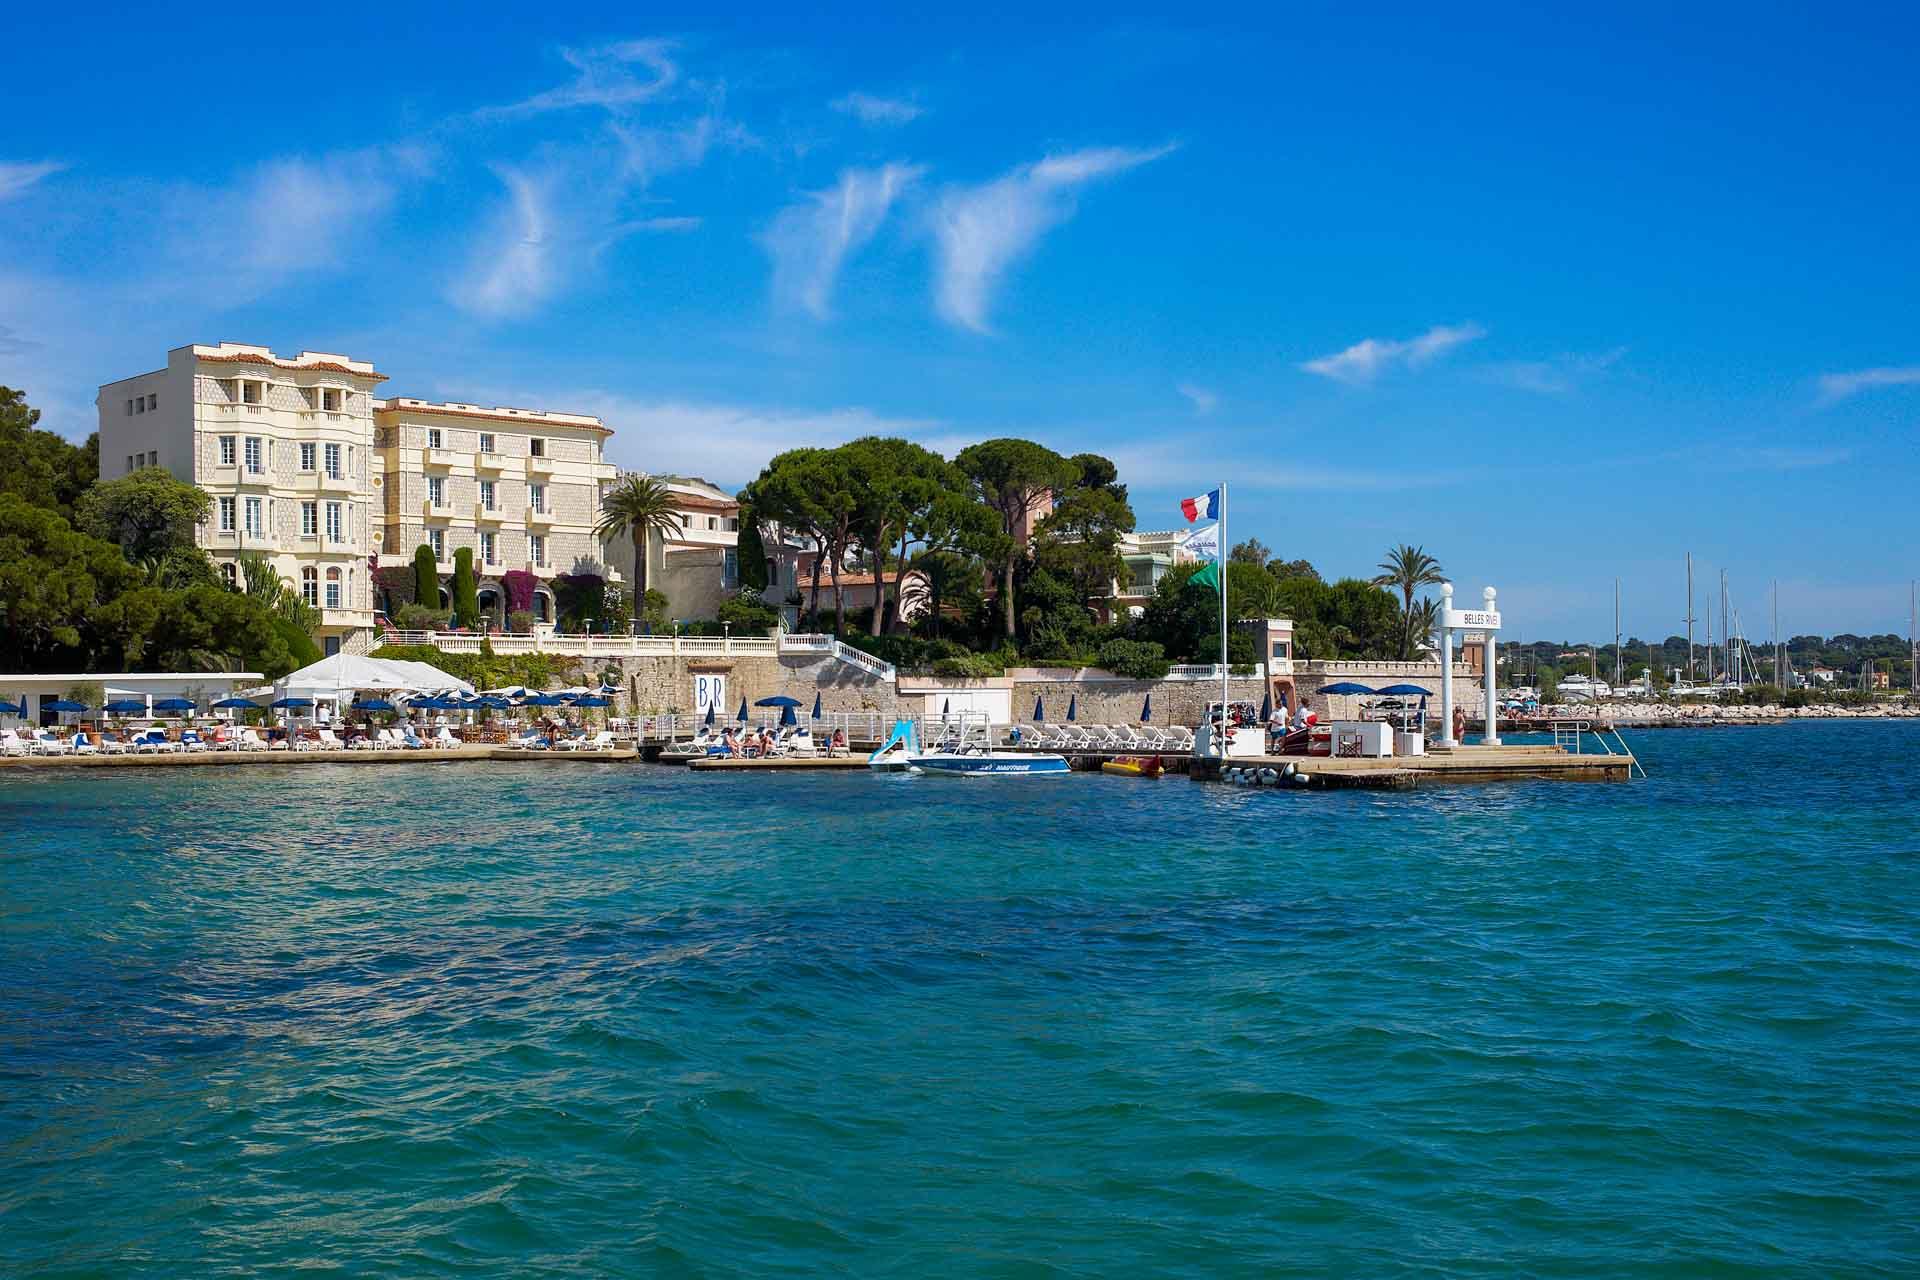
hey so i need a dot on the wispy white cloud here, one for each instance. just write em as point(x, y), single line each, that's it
point(1203, 400)
point(285, 218)
point(1170, 468)
point(1839, 386)
point(514, 265)
point(870, 109)
point(15, 179)
point(610, 76)
point(980, 231)
point(1367, 359)
point(810, 241)
point(1560, 375)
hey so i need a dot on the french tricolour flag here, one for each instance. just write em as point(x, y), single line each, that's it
point(1206, 507)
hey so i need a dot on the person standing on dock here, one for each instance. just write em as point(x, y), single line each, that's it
point(1459, 722)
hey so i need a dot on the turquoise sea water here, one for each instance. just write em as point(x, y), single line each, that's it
point(614, 1019)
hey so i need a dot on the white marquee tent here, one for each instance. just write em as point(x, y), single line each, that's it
point(339, 678)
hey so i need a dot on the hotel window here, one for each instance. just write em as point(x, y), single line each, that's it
point(129, 408)
point(487, 495)
point(333, 461)
point(230, 573)
point(250, 392)
point(256, 456)
point(308, 452)
point(1280, 648)
point(333, 588)
point(330, 399)
point(433, 438)
point(333, 522)
point(489, 544)
point(537, 497)
point(486, 442)
point(153, 402)
point(129, 462)
point(537, 549)
point(310, 585)
point(255, 524)
point(226, 451)
point(226, 515)
point(437, 539)
point(309, 519)
point(437, 490)
point(536, 448)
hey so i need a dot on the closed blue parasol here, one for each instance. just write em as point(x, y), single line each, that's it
point(946, 706)
point(1073, 707)
point(1039, 710)
point(174, 704)
point(742, 716)
point(236, 704)
point(1345, 686)
point(1266, 707)
point(1146, 709)
point(709, 715)
point(125, 707)
point(63, 705)
point(778, 700)
point(816, 706)
point(1404, 690)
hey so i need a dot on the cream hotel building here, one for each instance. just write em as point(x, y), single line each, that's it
point(309, 468)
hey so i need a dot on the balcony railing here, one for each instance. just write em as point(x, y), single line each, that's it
point(491, 461)
point(437, 458)
point(436, 510)
point(592, 646)
point(540, 465)
point(484, 514)
point(539, 515)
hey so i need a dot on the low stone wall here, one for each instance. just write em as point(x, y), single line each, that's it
point(665, 683)
point(1104, 699)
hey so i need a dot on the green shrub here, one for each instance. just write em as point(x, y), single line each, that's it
point(972, 666)
point(749, 614)
point(418, 617)
point(520, 622)
point(1135, 659)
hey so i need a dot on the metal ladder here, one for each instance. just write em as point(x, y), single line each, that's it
point(1567, 735)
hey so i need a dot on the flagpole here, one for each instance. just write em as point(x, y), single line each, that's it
point(1220, 564)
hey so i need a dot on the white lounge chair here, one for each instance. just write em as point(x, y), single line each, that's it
point(601, 741)
point(48, 743)
point(12, 744)
point(190, 740)
point(443, 738)
point(250, 740)
point(83, 744)
point(330, 742)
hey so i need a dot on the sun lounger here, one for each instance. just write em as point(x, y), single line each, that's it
point(190, 740)
point(12, 744)
point(48, 743)
point(330, 741)
point(412, 741)
point(443, 739)
point(250, 740)
point(84, 745)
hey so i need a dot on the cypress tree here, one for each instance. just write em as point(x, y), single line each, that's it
point(426, 578)
point(751, 553)
point(466, 589)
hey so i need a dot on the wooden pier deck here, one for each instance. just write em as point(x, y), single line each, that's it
point(1462, 764)
point(731, 764)
point(227, 759)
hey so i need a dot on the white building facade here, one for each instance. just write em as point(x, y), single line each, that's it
point(283, 446)
point(520, 487)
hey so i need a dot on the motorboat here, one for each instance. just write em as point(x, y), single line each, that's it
point(967, 753)
point(1583, 689)
point(896, 753)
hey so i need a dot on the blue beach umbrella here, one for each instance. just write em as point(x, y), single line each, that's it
point(543, 700)
point(290, 704)
point(1146, 709)
point(1039, 709)
point(946, 706)
point(594, 700)
point(125, 707)
point(1345, 686)
point(1266, 707)
point(174, 704)
point(1404, 691)
point(9, 709)
point(816, 706)
point(63, 705)
point(742, 716)
point(709, 715)
point(787, 719)
point(372, 704)
point(236, 704)
point(778, 700)
point(1073, 707)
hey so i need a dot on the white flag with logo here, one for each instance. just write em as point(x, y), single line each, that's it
point(1203, 544)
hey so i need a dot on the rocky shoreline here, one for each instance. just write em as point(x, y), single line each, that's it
point(1660, 715)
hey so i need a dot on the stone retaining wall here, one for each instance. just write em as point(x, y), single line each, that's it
point(665, 683)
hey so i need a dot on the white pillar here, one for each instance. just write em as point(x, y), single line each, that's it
point(1491, 661)
point(1446, 669)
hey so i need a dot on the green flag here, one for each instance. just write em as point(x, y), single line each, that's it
point(1209, 575)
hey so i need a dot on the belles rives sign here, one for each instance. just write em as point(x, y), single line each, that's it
point(1472, 620)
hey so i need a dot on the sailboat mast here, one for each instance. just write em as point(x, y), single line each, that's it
point(1689, 617)
point(1616, 635)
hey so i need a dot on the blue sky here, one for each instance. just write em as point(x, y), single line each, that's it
point(1559, 297)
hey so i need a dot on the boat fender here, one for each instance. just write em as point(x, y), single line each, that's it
point(1268, 777)
point(1301, 779)
point(1288, 769)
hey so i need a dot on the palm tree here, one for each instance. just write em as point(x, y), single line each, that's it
point(1408, 569)
point(1426, 620)
point(638, 507)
